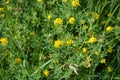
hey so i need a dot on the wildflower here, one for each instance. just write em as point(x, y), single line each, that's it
point(75, 3)
point(69, 42)
point(84, 49)
point(58, 21)
point(92, 40)
point(96, 53)
point(58, 43)
point(46, 72)
point(49, 17)
point(82, 22)
point(109, 28)
point(2, 15)
point(9, 8)
point(18, 60)
point(7, 2)
point(64, 1)
point(95, 15)
point(109, 50)
point(109, 69)
point(1, 9)
point(109, 14)
point(85, 27)
point(71, 20)
point(39, 1)
point(103, 61)
point(4, 41)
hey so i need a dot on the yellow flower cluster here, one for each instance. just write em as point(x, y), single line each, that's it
point(95, 15)
point(84, 50)
point(72, 20)
point(4, 41)
point(64, 1)
point(7, 2)
point(69, 42)
point(103, 61)
point(75, 3)
point(58, 43)
point(46, 72)
point(109, 69)
point(58, 21)
point(92, 39)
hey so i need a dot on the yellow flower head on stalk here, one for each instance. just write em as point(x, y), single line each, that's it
point(75, 3)
point(69, 42)
point(103, 22)
point(58, 21)
point(46, 72)
point(18, 60)
point(95, 15)
point(7, 2)
point(39, 1)
point(103, 61)
point(84, 50)
point(109, 50)
point(4, 41)
point(1, 9)
point(72, 20)
point(49, 17)
point(109, 69)
point(58, 43)
point(109, 28)
point(92, 39)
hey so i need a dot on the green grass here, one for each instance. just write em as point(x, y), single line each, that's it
point(58, 40)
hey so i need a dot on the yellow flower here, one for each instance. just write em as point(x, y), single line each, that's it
point(85, 27)
point(87, 13)
point(46, 72)
point(84, 49)
point(109, 28)
point(109, 14)
point(72, 20)
point(9, 8)
point(2, 15)
point(18, 60)
point(58, 43)
point(7, 2)
point(75, 3)
point(103, 61)
point(49, 17)
point(64, 1)
point(95, 15)
point(69, 42)
point(96, 53)
point(4, 41)
point(109, 69)
point(109, 50)
point(39, 1)
point(82, 22)
point(92, 40)
point(58, 21)
point(1, 9)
